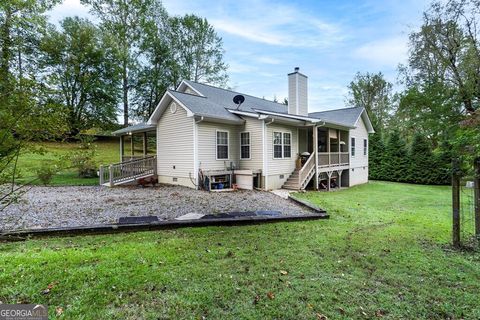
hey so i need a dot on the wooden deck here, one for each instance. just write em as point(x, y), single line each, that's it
point(128, 171)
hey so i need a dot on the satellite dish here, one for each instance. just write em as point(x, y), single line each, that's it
point(238, 100)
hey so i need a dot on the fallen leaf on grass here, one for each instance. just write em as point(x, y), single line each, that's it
point(58, 311)
point(52, 285)
point(379, 313)
point(321, 317)
point(270, 295)
point(283, 272)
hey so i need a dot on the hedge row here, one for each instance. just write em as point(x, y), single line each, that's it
point(391, 159)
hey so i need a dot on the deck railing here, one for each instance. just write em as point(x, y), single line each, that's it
point(129, 170)
point(307, 171)
point(326, 159)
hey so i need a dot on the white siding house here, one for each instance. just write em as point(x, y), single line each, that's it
point(201, 133)
point(175, 140)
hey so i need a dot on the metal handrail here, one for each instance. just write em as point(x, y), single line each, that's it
point(128, 170)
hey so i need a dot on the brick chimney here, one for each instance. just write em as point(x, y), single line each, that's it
point(297, 93)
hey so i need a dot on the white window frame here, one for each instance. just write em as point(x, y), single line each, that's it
point(282, 144)
point(216, 145)
point(365, 147)
point(353, 146)
point(244, 145)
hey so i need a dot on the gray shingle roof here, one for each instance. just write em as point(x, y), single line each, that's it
point(141, 127)
point(224, 98)
point(203, 106)
point(346, 116)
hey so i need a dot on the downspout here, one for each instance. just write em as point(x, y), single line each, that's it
point(265, 149)
point(315, 150)
point(195, 149)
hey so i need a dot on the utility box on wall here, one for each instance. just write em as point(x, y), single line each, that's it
point(244, 179)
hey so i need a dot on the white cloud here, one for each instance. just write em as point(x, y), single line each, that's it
point(385, 52)
point(68, 8)
point(268, 60)
point(287, 32)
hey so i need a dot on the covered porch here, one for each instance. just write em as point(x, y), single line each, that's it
point(325, 156)
point(137, 141)
point(138, 145)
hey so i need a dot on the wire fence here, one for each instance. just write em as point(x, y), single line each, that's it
point(467, 213)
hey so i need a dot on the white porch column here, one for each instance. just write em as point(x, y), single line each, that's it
point(122, 148)
point(144, 144)
point(132, 151)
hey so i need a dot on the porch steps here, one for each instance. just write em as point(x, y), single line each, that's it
point(292, 181)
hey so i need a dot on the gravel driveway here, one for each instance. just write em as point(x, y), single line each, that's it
point(45, 207)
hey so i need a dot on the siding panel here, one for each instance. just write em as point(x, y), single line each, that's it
point(254, 126)
point(175, 144)
point(207, 145)
point(281, 166)
point(358, 163)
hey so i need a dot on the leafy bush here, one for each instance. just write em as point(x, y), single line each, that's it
point(46, 172)
point(83, 158)
point(84, 163)
point(393, 160)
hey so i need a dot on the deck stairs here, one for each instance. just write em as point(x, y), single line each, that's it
point(300, 178)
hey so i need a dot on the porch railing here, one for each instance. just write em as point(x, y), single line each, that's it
point(307, 172)
point(126, 158)
point(326, 159)
point(129, 170)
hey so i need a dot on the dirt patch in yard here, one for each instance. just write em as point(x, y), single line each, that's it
point(44, 207)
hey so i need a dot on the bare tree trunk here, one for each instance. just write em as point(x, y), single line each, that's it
point(125, 94)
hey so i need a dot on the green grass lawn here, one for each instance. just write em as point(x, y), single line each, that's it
point(384, 253)
point(28, 163)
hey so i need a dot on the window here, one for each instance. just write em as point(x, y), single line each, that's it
point(282, 145)
point(287, 145)
point(365, 147)
point(277, 145)
point(352, 144)
point(244, 145)
point(222, 145)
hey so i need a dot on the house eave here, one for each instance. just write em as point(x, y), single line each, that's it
point(132, 129)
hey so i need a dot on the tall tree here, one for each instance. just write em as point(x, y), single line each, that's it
point(196, 51)
point(430, 109)
point(124, 20)
point(26, 111)
point(82, 71)
point(445, 56)
point(376, 158)
point(422, 166)
point(396, 162)
point(447, 49)
point(374, 93)
point(153, 76)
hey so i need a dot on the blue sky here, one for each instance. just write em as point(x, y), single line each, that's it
point(329, 40)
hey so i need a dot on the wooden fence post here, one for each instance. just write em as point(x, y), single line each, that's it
point(456, 202)
point(476, 195)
